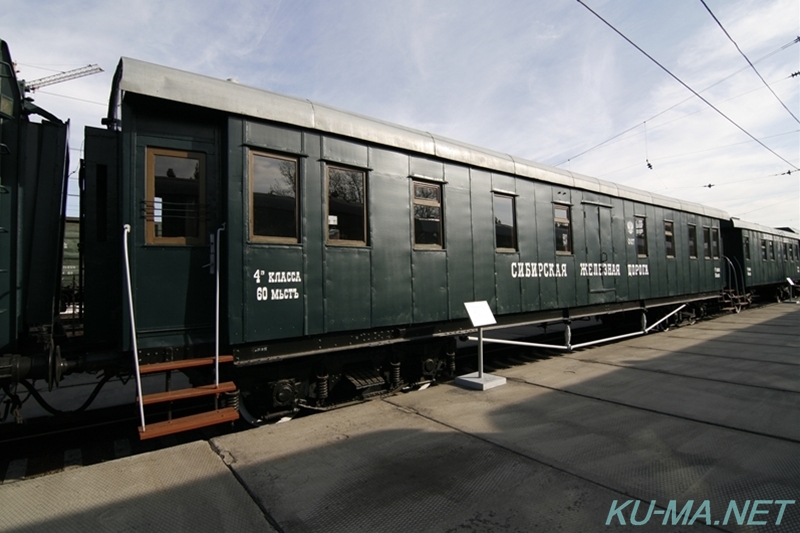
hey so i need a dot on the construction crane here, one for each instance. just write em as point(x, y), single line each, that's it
point(88, 70)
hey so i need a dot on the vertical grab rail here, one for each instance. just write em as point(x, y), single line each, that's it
point(126, 231)
point(216, 312)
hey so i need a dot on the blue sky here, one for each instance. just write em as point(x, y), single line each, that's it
point(542, 80)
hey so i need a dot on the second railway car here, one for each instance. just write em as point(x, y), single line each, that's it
point(763, 258)
point(324, 254)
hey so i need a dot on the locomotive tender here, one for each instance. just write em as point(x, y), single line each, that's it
point(288, 234)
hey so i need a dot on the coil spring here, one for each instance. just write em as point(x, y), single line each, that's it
point(395, 373)
point(231, 399)
point(322, 387)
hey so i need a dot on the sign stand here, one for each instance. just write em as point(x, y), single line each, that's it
point(481, 315)
point(791, 291)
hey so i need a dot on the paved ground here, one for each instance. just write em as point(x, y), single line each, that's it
point(708, 414)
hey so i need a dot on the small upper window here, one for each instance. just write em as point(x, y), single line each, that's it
point(428, 226)
point(747, 248)
point(174, 207)
point(561, 218)
point(692, 241)
point(669, 237)
point(641, 236)
point(715, 242)
point(347, 213)
point(273, 198)
point(505, 222)
point(706, 242)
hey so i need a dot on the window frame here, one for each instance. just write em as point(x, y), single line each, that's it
point(151, 152)
point(365, 217)
point(706, 242)
point(643, 220)
point(764, 253)
point(273, 239)
point(771, 250)
point(429, 203)
point(715, 243)
point(746, 244)
point(669, 238)
point(564, 221)
point(514, 239)
point(692, 242)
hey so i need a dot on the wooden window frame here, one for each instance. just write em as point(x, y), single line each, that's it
point(515, 241)
point(430, 203)
point(365, 218)
point(565, 221)
point(669, 237)
point(692, 243)
point(151, 153)
point(707, 242)
point(643, 219)
point(273, 239)
point(715, 243)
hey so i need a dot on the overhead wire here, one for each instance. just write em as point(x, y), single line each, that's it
point(748, 60)
point(787, 45)
point(698, 95)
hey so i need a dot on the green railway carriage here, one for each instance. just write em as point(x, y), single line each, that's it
point(763, 257)
point(327, 255)
point(342, 231)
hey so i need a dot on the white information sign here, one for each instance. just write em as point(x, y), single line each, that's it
point(480, 313)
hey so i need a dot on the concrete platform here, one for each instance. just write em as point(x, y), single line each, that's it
point(709, 413)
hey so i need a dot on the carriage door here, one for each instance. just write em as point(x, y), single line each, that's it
point(174, 285)
point(601, 269)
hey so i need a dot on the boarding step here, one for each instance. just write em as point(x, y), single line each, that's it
point(183, 394)
point(187, 423)
point(182, 363)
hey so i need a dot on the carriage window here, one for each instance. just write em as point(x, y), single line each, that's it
point(427, 203)
point(747, 248)
point(706, 242)
point(174, 208)
point(561, 218)
point(715, 242)
point(763, 249)
point(505, 230)
point(669, 238)
point(692, 241)
point(785, 251)
point(273, 199)
point(347, 213)
point(772, 250)
point(641, 237)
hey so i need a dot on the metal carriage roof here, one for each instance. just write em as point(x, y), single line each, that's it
point(195, 89)
point(742, 224)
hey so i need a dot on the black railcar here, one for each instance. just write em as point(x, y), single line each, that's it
point(287, 234)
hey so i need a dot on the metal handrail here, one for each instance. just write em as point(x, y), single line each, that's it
point(216, 324)
point(126, 231)
point(568, 346)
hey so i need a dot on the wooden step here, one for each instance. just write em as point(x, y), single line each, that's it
point(186, 423)
point(183, 394)
point(183, 363)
